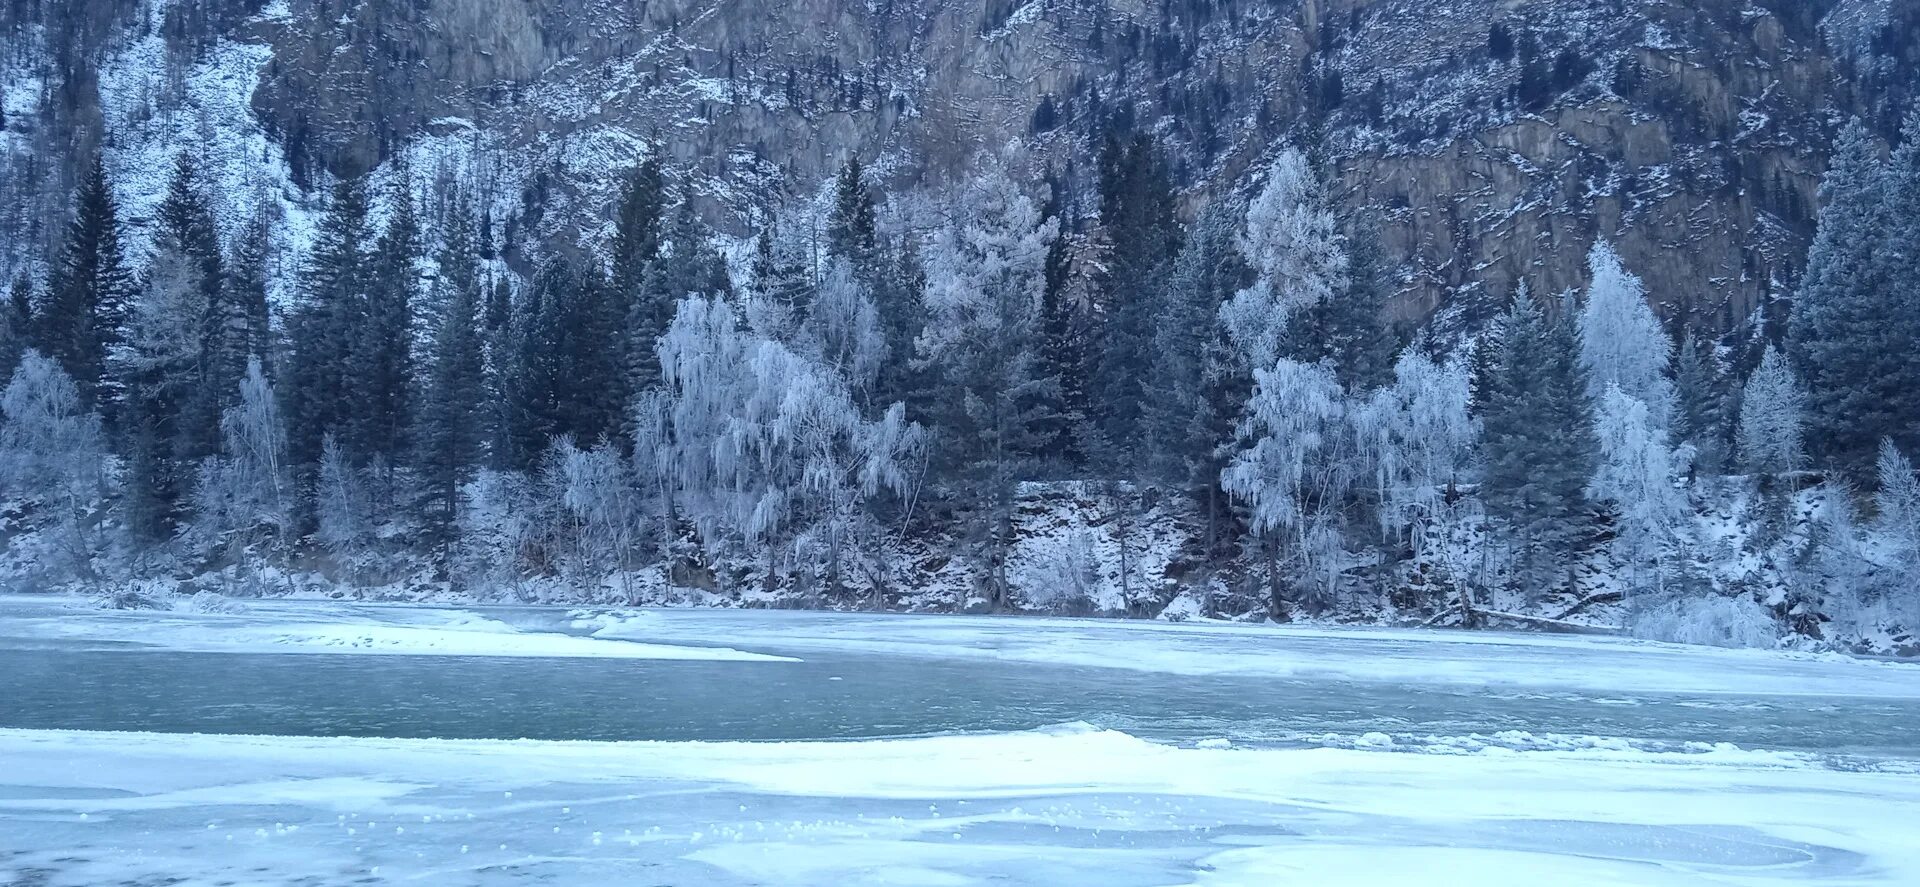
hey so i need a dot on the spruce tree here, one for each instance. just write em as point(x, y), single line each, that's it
point(449, 438)
point(1142, 236)
point(850, 226)
point(187, 249)
point(636, 227)
point(1852, 334)
point(1347, 329)
point(85, 310)
point(1063, 351)
point(382, 353)
point(1700, 418)
point(1538, 442)
point(687, 264)
point(323, 328)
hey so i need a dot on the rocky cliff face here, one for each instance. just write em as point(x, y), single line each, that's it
point(1493, 140)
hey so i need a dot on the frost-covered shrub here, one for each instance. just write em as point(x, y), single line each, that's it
point(1059, 574)
point(1711, 619)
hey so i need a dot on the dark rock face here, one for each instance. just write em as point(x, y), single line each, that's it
point(1492, 140)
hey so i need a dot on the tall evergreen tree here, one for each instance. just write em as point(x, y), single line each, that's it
point(382, 352)
point(1538, 439)
point(1700, 418)
point(1191, 399)
point(1853, 334)
point(636, 228)
point(1142, 237)
point(449, 438)
point(850, 226)
point(1063, 344)
point(324, 328)
point(687, 264)
point(87, 301)
point(187, 250)
point(1347, 328)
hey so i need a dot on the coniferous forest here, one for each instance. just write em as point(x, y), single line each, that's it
point(862, 403)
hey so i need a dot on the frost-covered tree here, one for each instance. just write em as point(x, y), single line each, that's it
point(1293, 475)
point(1898, 503)
point(245, 492)
point(52, 450)
point(985, 270)
point(1293, 243)
point(843, 330)
point(1772, 417)
point(1418, 437)
point(344, 520)
point(1637, 474)
point(1621, 342)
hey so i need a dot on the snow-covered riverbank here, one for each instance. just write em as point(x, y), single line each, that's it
point(1069, 805)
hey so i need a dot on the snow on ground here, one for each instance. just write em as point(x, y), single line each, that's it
point(1064, 806)
point(1417, 657)
point(286, 627)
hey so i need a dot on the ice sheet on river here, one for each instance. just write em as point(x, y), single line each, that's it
point(1400, 656)
point(1064, 806)
point(305, 627)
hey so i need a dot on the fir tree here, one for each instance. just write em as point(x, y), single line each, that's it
point(449, 437)
point(1347, 329)
point(1853, 333)
point(1538, 440)
point(850, 226)
point(85, 310)
point(323, 328)
point(1142, 237)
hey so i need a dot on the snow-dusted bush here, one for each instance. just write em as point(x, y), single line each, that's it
point(1713, 619)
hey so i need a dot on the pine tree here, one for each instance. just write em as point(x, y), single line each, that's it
point(850, 226)
point(324, 328)
point(449, 438)
point(1853, 334)
point(1538, 440)
point(88, 299)
point(1700, 418)
point(1142, 237)
point(382, 351)
point(1347, 328)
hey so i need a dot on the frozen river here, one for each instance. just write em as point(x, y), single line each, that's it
point(297, 743)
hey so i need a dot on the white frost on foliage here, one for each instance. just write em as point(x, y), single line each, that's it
point(1295, 248)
